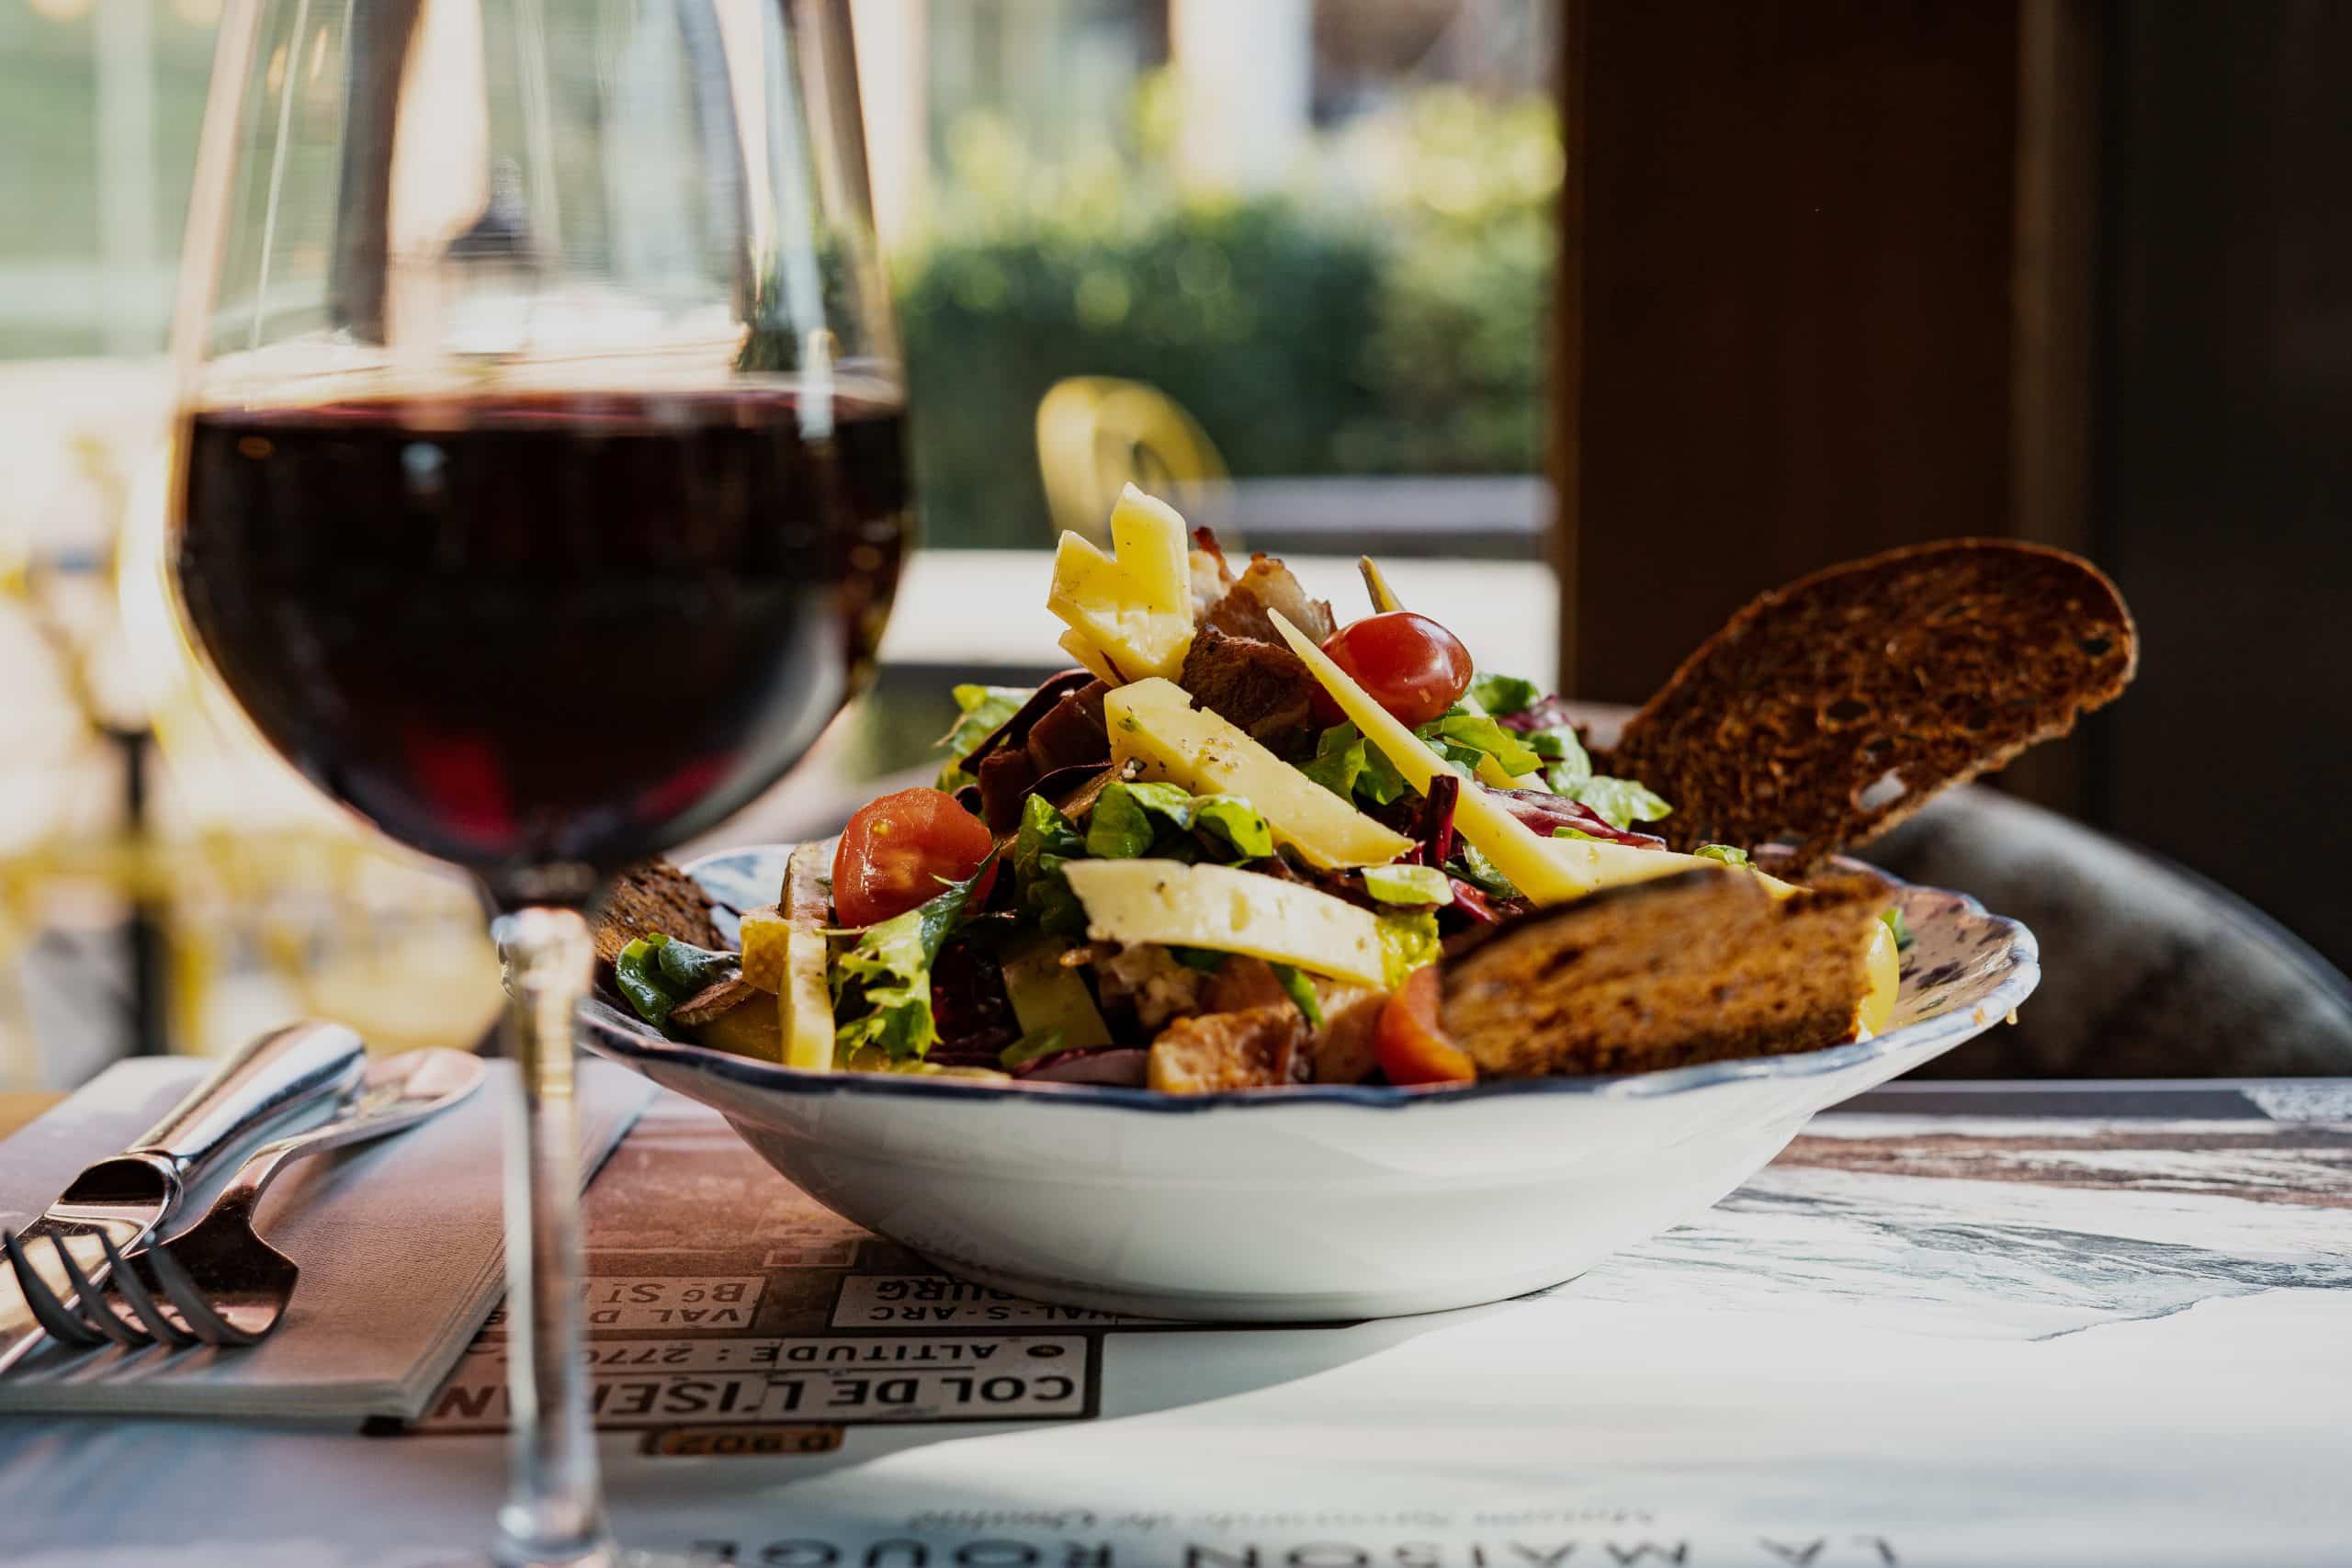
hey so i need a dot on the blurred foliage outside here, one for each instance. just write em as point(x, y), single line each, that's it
point(1381, 315)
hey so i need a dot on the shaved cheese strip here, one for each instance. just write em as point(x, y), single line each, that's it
point(1091, 658)
point(1228, 911)
point(1135, 604)
point(1384, 598)
point(1885, 979)
point(1154, 723)
point(803, 1001)
point(1549, 871)
point(1492, 773)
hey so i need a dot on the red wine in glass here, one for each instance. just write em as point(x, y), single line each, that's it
point(516, 633)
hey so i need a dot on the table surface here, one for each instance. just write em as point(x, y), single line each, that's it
point(1953, 1324)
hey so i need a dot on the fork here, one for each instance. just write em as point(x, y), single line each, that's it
point(226, 1287)
point(93, 1321)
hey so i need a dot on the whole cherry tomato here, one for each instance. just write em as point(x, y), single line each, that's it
point(1412, 1045)
point(897, 850)
point(1407, 663)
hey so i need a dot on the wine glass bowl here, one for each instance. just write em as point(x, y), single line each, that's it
point(541, 486)
point(517, 632)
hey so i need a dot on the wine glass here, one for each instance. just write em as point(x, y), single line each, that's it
point(542, 487)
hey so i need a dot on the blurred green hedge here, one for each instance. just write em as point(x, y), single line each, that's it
point(1384, 316)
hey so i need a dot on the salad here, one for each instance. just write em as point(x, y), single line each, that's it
point(1227, 849)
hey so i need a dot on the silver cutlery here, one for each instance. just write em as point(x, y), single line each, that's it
point(224, 1285)
point(116, 1205)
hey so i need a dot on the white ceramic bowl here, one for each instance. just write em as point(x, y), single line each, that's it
point(1315, 1202)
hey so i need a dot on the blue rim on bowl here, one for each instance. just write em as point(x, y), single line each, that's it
point(732, 875)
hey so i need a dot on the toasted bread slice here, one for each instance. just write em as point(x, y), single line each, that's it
point(1827, 711)
point(1701, 966)
point(653, 896)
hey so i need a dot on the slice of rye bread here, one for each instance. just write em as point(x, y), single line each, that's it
point(1701, 966)
point(1827, 711)
point(652, 895)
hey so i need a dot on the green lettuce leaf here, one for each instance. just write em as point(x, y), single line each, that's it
point(1407, 885)
point(1568, 765)
point(983, 709)
point(1504, 693)
point(891, 964)
point(1730, 854)
point(638, 974)
point(1240, 825)
point(1900, 927)
point(655, 973)
point(1351, 769)
point(1046, 843)
point(1301, 991)
point(1029, 1047)
point(1381, 783)
point(1128, 816)
point(1620, 803)
point(689, 968)
point(1482, 872)
point(1479, 735)
point(1406, 943)
point(1131, 819)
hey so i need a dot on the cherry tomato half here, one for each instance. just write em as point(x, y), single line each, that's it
point(897, 851)
point(1412, 1045)
point(1409, 664)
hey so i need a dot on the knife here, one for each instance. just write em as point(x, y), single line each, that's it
point(126, 1197)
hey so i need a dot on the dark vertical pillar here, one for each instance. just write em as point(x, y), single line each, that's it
point(2225, 481)
point(1790, 325)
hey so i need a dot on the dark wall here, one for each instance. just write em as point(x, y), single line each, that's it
point(1792, 232)
point(2224, 498)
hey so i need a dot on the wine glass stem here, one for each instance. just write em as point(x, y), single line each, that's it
point(554, 1513)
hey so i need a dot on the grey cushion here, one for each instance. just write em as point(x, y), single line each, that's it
point(2148, 970)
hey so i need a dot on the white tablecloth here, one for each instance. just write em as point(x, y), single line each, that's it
point(1954, 1340)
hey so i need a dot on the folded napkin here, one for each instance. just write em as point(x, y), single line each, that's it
point(400, 1243)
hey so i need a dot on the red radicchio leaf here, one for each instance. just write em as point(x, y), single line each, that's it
point(969, 1006)
point(1544, 812)
point(1120, 1066)
point(1437, 820)
point(1550, 712)
point(1474, 904)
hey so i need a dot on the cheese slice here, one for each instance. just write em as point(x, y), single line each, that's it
point(1154, 723)
point(803, 1001)
point(1228, 911)
point(1885, 971)
point(1087, 654)
point(765, 936)
point(1384, 598)
point(1135, 604)
point(1549, 871)
point(1492, 773)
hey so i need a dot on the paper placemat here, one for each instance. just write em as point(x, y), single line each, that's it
point(400, 1243)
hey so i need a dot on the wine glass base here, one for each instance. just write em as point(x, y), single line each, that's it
point(616, 1557)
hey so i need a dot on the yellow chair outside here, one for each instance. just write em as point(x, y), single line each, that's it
point(1098, 433)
